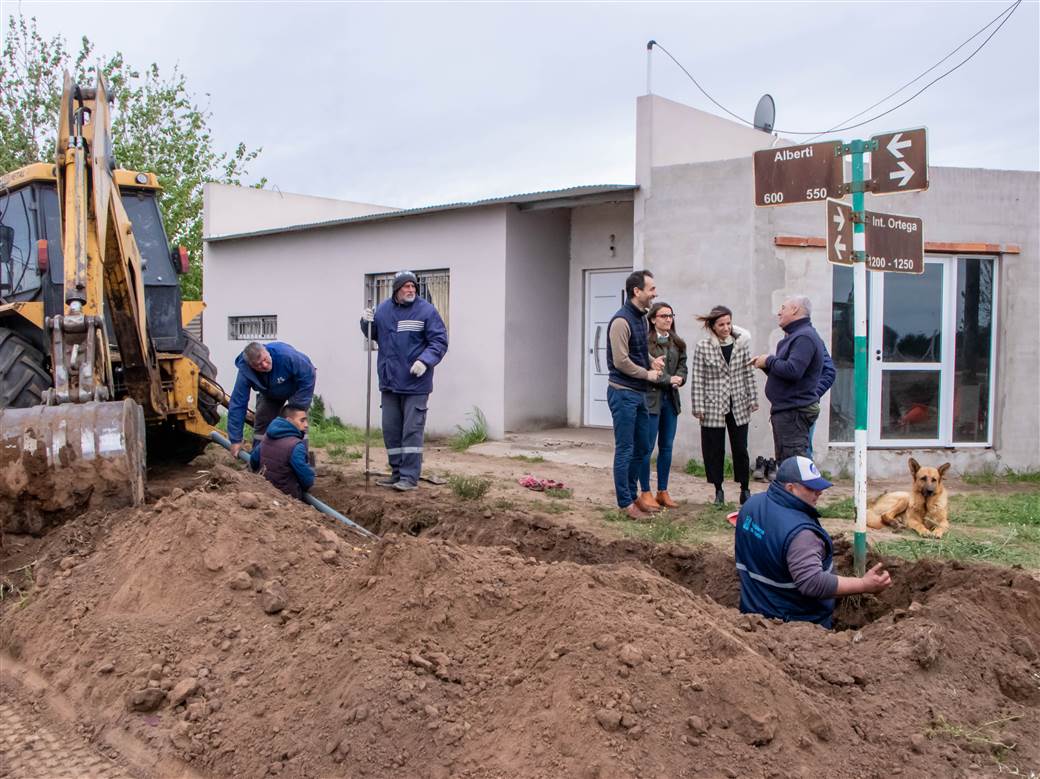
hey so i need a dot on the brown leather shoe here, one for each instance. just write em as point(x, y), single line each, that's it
point(664, 499)
point(647, 504)
point(634, 512)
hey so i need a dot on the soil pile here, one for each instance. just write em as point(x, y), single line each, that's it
point(249, 635)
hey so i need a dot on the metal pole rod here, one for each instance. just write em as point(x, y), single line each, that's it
point(649, 66)
point(859, 308)
point(368, 396)
point(324, 508)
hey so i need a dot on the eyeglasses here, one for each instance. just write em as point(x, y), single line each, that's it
point(664, 316)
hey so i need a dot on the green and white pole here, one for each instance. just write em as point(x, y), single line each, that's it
point(859, 312)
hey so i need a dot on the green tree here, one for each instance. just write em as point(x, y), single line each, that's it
point(157, 126)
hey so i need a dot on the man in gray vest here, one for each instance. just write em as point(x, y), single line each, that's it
point(281, 455)
point(630, 370)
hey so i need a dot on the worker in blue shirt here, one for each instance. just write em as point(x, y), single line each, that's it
point(280, 375)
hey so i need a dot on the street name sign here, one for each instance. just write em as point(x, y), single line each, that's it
point(894, 243)
point(839, 232)
point(900, 163)
point(797, 174)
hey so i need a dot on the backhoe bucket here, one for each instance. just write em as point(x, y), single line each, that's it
point(58, 460)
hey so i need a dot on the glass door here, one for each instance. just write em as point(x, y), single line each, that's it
point(909, 346)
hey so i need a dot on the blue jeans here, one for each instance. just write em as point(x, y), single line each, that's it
point(662, 428)
point(631, 441)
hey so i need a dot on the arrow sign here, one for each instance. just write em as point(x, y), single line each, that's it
point(900, 163)
point(839, 232)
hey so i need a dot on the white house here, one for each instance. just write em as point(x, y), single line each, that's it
point(528, 283)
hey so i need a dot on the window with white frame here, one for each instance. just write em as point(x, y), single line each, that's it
point(433, 286)
point(931, 348)
point(262, 327)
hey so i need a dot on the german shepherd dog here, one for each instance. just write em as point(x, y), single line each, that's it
point(923, 509)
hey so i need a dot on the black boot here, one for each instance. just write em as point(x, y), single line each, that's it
point(770, 469)
point(760, 469)
point(720, 497)
point(745, 493)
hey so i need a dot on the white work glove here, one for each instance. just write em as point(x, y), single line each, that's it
point(368, 315)
point(418, 368)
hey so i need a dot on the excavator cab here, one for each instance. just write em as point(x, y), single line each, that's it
point(94, 356)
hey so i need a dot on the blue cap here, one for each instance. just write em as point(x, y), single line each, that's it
point(801, 470)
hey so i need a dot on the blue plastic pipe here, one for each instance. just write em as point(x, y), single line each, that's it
point(324, 508)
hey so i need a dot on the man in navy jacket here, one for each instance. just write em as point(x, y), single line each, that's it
point(280, 375)
point(412, 339)
point(281, 456)
point(799, 374)
point(784, 556)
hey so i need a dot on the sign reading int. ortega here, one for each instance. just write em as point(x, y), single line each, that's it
point(894, 243)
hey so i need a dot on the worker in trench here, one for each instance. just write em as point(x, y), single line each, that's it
point(281, 455)
point(412, 340)
point(784, 557)
point(280, 375)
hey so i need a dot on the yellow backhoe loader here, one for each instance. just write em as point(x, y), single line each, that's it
point(95, 360)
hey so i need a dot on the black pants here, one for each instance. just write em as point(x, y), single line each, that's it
point(266, 411)
point(791, 431)
point(713, 449)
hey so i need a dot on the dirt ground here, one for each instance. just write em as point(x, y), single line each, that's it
point(225, 631)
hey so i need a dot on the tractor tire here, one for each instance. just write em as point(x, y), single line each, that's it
point(23, 378)
point(198, 353)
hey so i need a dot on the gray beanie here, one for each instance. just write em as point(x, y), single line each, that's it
point(402, 277)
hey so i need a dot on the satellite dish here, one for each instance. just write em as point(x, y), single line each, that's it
point(765, 114)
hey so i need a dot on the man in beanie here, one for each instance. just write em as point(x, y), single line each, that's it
point(785, 557)
point(412, 340)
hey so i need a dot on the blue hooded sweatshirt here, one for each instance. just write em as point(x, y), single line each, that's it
point(291, 379)
point(282, 428)
point(407, 332)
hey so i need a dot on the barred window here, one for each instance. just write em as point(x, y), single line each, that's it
point(433, 286)
point(263, 327)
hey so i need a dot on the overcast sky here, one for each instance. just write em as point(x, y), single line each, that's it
point(413, 104)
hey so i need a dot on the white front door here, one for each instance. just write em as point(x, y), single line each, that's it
point(911, 352)
point(604, 295)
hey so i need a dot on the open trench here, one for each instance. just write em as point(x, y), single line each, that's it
point(704, 569)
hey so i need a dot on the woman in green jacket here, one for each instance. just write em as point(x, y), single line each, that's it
point(662, 401)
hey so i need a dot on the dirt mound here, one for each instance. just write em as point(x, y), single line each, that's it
point(249, 635)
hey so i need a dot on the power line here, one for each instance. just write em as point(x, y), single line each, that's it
point(1006, 13)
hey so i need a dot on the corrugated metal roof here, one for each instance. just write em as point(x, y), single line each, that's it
point(584, 192)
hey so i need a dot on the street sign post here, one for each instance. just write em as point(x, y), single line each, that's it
point(856, 237)
point(900, 163)
point(839, 232)
point(797, 174)
point(895, 243)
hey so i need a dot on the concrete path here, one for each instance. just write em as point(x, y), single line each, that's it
point(593, 447)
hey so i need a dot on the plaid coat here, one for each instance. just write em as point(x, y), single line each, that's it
point(715, 382)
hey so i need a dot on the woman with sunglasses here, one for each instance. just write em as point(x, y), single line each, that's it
point(724, 397)
point(662, 402)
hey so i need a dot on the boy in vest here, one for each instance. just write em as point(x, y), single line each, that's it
point(785, 557)
point(281, 455)
point(630, 371)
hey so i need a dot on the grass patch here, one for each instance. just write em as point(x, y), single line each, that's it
point(561, 493)
point(696, 468)
point(553, 507)
point(988, 475)
point(469, 487)
point(1015, 546)
point(341, 454)
point(839, 509)
point(504, 504)
point(476, 432)
point(524, 458)
point(1019, 510)
point(663, 529)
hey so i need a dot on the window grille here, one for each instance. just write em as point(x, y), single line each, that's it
point(253, 328)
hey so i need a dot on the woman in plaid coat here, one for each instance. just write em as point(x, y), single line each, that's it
point(724, 397)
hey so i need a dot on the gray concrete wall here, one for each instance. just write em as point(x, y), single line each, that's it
point(591, 249)
point(708, 244)
point(314, 282)
point(537, 259)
